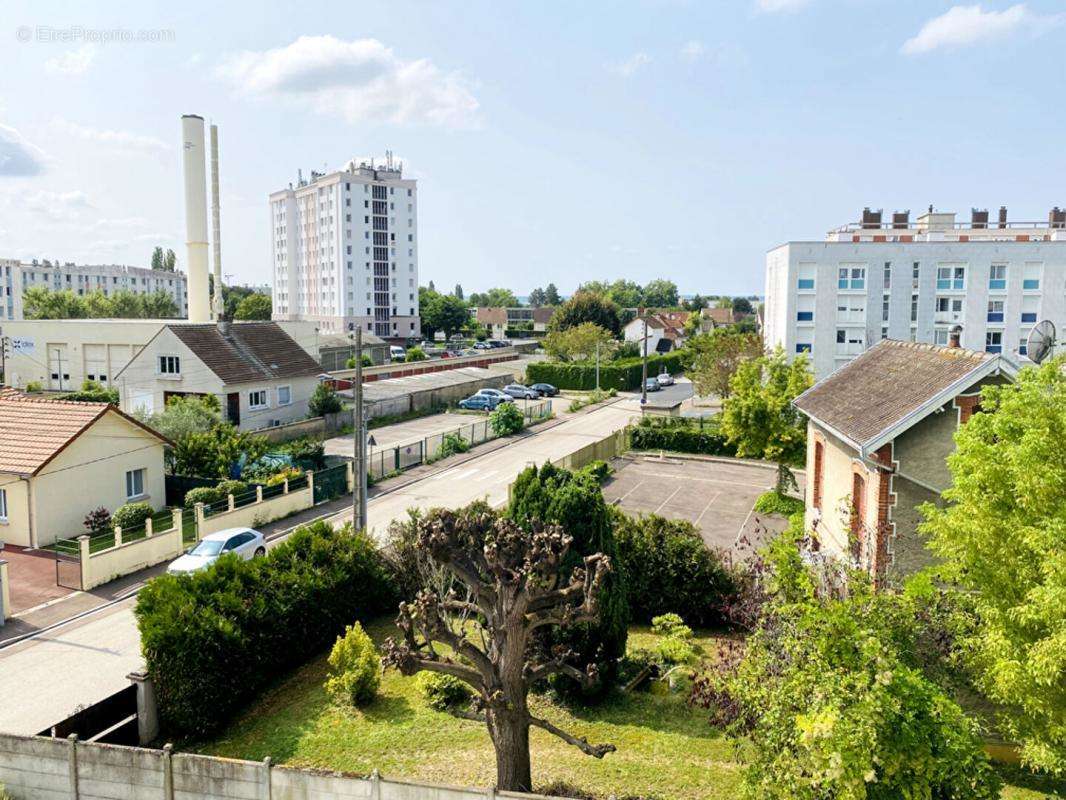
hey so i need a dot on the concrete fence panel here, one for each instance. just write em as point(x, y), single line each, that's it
point(106, 565)
point(268, 510)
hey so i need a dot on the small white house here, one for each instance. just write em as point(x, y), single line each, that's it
point(663, 333)
point(260, 375)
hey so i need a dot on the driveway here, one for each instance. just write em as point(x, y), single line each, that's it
point(32, 576)
point(715, 496)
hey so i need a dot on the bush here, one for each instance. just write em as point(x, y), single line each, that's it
point(452, 444)
point(622, 374)
point(34, 386)
point(506, 419)
point(354, 668)
point(367, 362)
point(202, 494)
point(671, 624)
point(99, 395)
point(668, 568)
point(288, 474)
point(231, 487)
point(214, 639)
point(98, 521)
point(324, 400)
point(442, 692)
point(674, 650)
point(681, 436)
point(776, 503)
point(307, 453)
point(599, 469)
point(131, 515)
point(416, 354)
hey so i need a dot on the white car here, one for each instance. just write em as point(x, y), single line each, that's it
point(665, 379)
point(245, 542)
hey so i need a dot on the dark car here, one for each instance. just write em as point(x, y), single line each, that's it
point(652, 385)
point(545, 389)
point(480, 402)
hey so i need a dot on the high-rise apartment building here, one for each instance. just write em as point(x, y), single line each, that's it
point(875, 279)
point(345, 251)
point(17, 276)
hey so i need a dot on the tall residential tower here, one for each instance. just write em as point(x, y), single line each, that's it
point(345, 250)
point(899, 279)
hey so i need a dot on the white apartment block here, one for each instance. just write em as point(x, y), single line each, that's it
point(345, 251)
point(18, 276)
point(873, 280)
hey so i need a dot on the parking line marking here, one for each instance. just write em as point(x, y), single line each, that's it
point(704, 480)
point(667, 500)
point(709, 504)
point(623, 497)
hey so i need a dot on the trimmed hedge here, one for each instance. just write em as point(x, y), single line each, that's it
point(669, 569)
point(681, 435)
point(623, 374)
point(214, 639)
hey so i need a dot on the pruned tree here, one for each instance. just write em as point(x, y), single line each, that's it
point(506, 583)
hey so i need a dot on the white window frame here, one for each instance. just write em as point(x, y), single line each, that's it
point(266, 399)
point(132, 476)
point(3, 505)
point(287, 389)
point(163, 362)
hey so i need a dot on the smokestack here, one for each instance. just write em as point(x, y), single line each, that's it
point(192, 132)
point(216, 225)
point(1003, 216)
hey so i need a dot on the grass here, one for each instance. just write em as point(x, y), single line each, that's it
point(665, 748)
point(772, 502)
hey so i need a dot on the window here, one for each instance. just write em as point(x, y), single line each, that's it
point(914, 275)
point(914, 308)
point(888, 274)
point(3, 505)
point(995, 310)
point(994, 342)
point(802, 347)
point(884, 309)
point(1023, 346)
point(284, 395)
point(257, 399)
point(842, 336)
point(851, 278)
point(997, 276)
point(1030, 284)
point(806, 283)
point(819, 459)
point(940, 337)
point(804, 316)
point(135, 483)
point(1028, 316)
point(951, 278)
point(169, 365)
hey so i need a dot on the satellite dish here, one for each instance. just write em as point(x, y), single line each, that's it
point(1041, 341)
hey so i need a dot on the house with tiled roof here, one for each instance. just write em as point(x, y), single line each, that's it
point(498, 319)
point(59, 460)
point(665, 330)
point(261, 376)
point(879, 432)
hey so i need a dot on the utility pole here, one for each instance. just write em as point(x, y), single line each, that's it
point(359, 439)
point(597, 366)
point(3, 360)
point(644, 364)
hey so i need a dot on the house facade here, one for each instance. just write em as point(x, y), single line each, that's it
point(879, 433)
point(665, 331)
point(499, 319)
point(59, 460)
point(260, 375)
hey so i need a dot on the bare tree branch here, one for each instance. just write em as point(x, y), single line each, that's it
point(597, 750)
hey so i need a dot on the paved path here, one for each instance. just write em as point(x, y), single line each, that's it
point(44, 679)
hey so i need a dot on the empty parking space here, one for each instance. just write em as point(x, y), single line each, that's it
point(717, 497)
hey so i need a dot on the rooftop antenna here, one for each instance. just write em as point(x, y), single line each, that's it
point(1041, 341)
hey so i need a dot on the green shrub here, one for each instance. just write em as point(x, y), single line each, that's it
point(307, 453)
point(34, 386)
point(92, 396)
point(324, 400)
point(98, 521)
point(506, 419)
point(416, 354)
point(213, 640)
point(674, 650)
point(599, 469)
point(131, 515)
point(367, 362)
point(202, 494)
point(288, 474)
point(452, 444)
point(622, 374)
point(671, 624)
point(354, 668)
point(668, 568)
point(681, 436)
point(775, 503)
point(442, 692)
point(231, 487)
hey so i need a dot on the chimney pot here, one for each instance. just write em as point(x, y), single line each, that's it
point(954, 337)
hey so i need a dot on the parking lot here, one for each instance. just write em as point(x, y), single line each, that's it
point(715, 496)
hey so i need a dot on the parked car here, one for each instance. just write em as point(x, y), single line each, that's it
point(665, 379)
point(470, 351)
point(482, 346)
point(245, 542)
point(447, 354)
point(652, 385)
point(521, 392)
point(479, 402)
point(501, 397)
point(497, 343)
point(397, 353)
point(545, 389)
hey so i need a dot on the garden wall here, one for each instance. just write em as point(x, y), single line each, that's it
point(259, 512)
point(63, 769)
point(315, 426)
point(106, 565)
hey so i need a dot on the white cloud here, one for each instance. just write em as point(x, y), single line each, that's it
point(693, 51)
point(62, 206)
point(360, 81)
point(18, 157)
point(775, 6)
point(962, 26)
point(122, 140)
point(631, 65)
point(72, 62)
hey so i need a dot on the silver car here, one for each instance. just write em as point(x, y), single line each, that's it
point(521, 392)
point(247, 543)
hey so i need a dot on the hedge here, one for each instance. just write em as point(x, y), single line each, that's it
point(214, 639)
point(681, 436)
point(623, 374)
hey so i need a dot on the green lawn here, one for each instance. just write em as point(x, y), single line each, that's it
point(665, 748)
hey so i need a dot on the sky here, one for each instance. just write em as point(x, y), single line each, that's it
point(552, 141)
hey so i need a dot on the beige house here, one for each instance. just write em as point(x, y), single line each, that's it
point(498, 318)
point(59, 460)
point(879, 432)
point(259, 373)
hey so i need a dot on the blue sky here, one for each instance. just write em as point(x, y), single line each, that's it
point(552, 141)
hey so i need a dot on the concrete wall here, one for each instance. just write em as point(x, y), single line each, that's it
point(314, 426)
point(106, 565)
point(398, 370)
point(38, 768)
point(255, 514)
point(16, 528)
point(612, 445)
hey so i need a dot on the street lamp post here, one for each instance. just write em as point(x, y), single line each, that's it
point(644, 365)
point(359, 438)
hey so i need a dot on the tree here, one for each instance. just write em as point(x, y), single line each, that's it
point(324, 400)
point(537, 298)
point(742, 305)
point(432, 288)
point(626, 294)
point(458, 293)
point(494, 298)
point(126, 305)
point(758, 416)
point(660, 293)
point(159, 305)
point(442, 312)
point(254, 306)
point(41, 303)
point(586, 306)
point(551, 295)
point(1002, 539)
point(506, 419)
point(696, 303)
point(184, 415)
point(170, 261)
point(414, 354)
point(715, 357)
point(216, 452)
point(157, 258)
point(595, 287)
point(579, 342)
point(502, 583)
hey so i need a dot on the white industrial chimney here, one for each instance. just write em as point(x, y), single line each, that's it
point(217, 308)
point(192, 131)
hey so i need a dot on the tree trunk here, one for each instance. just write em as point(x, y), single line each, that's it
point(510, 736)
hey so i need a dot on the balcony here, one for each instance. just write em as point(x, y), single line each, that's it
point(951, 284)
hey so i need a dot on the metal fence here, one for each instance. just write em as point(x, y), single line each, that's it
point(389, 460)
